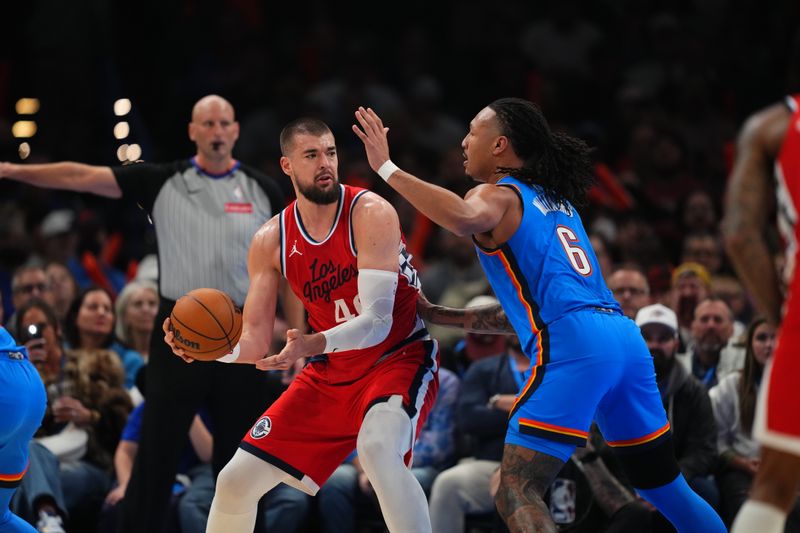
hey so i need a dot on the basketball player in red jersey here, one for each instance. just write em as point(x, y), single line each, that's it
point(770, 135)
point(372, 375)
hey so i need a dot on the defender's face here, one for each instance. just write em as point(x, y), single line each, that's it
point(313, 164)
point(479, 145)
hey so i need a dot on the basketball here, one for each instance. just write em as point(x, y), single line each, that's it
point(206, 323)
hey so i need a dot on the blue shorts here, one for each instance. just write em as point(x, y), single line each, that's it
point(592, 365)
point(22, 404)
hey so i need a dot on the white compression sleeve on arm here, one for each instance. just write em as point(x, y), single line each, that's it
point(376, 290)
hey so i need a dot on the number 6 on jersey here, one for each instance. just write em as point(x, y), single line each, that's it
point(576, 255)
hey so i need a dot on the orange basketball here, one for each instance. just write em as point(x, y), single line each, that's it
point(206, 323)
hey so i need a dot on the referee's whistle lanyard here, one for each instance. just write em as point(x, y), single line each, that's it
point(519, 376)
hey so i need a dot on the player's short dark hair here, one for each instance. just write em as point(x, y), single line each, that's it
point(307, 125)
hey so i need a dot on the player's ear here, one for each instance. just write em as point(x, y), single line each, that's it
point(191, 131)
point(286, 165)
point(500, 144)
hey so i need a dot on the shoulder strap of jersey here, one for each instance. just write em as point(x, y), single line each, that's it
point(354, 193)
point(286, 223)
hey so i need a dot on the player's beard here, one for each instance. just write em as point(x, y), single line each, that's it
point(319, 196)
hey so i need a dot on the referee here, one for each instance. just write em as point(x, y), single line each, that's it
point(205, 211)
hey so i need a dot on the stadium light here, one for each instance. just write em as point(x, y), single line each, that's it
point(122, 107)
point(121, 130)
point(27, 106)
point(23, 129)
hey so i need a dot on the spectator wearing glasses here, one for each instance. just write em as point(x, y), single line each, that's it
point(28, 282)
point(630, 289)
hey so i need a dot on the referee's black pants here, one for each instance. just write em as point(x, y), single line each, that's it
point(234, 395)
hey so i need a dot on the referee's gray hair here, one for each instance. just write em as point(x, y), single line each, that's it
point(120, 329)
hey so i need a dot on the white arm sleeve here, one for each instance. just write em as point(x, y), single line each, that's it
point(376, 290)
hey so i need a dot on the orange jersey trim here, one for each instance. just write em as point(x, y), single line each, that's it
point(529, 311)
point(641, 440)
point(553, 428)
point(13, 478)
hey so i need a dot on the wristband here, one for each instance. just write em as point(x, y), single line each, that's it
point(231, 357)
point(387, 169)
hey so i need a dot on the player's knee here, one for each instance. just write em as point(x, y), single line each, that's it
point(231, 481)
point(384, 433)
point(372, 447)
point(650, 465)
point(244, 480)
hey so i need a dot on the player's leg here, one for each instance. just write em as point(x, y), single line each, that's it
point(777, 427)
point(632, 420)
point(243, 481)
point(551, 416)
point(401, 393)
point(773, 494)
point(525, 476)
point(9, 522)
point(385, 437)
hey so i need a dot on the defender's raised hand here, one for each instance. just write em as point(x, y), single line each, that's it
point(374, 136)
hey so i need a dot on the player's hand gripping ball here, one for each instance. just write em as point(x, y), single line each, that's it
point(206, 324)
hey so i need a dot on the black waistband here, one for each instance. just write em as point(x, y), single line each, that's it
point(417, 335)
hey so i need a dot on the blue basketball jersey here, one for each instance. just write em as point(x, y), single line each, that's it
point(547, 268)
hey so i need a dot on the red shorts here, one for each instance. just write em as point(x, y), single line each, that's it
point(777, 423)
point(313, 426)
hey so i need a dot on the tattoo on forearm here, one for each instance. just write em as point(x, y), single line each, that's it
point(487, 319)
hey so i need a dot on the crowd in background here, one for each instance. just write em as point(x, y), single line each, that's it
point(658, 88)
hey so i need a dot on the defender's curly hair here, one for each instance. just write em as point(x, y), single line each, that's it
point(556, 162)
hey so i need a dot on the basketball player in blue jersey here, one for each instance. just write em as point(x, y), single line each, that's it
point(589, 362)
point(22, 404)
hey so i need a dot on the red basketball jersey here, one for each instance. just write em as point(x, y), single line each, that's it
point(787, 173)
point(324, 275)
point(777, 424)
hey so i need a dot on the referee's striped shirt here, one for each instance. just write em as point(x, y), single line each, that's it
point(203, 222)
